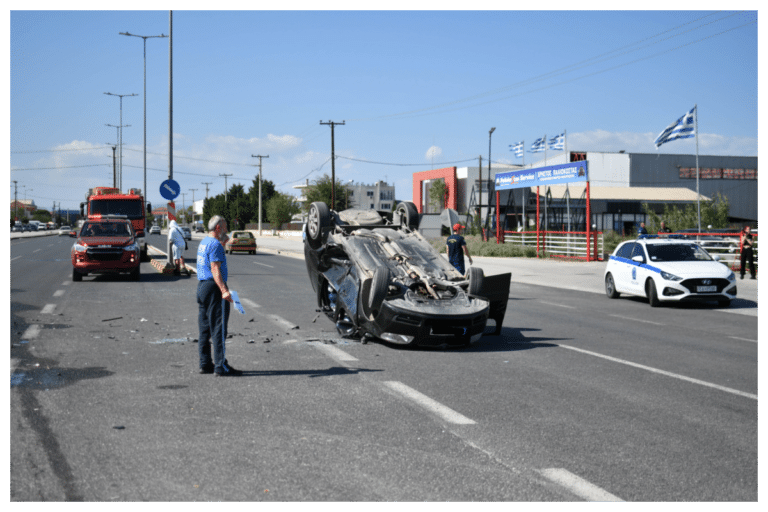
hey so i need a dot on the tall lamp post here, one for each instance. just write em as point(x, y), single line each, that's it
point(145, 102)
point(121, 132)
point(114, 173)
point(490, 132)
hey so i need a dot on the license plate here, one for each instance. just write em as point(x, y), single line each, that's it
point(704, 289)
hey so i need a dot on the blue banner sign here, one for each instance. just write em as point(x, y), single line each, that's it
point(552, 175)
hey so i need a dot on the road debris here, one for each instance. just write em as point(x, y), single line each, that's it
point(110, 319)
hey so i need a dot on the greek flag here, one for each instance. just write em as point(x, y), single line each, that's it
point(683, 128)
point(518, 148)
point(539, 145)
point(557, 142)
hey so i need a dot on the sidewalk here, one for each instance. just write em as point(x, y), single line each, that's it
point(564, 274)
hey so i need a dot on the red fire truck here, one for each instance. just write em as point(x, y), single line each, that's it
point(110, 201)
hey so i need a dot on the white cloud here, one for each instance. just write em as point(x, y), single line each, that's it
point(434, 152)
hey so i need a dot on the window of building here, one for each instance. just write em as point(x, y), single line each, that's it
point(370, 193)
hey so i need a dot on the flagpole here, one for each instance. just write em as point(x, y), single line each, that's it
point(698, 195)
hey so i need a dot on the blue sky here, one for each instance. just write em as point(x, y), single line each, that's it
point(416, 89)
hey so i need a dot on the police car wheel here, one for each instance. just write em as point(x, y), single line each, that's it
point(653, 297)
point(610, 287)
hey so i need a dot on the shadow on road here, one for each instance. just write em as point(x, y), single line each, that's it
point(335, 370)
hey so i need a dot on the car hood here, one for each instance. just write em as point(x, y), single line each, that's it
point(114, 241)
point(688, 269)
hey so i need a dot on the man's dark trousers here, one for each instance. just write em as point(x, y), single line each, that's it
point(212, 317)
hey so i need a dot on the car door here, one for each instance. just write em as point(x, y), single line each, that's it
point(621, 267)
point(639, 269)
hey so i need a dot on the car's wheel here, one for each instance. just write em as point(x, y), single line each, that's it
point(610, 287)
point(76, 276)
point(378, 290)
point(319, 218)
point(409, 214)
point(724, 303)
point(653, 297)
point(136, 273)
point(476, 277)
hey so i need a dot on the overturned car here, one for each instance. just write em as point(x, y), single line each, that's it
point(375, 275)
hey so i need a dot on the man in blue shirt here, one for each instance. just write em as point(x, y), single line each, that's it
point(213, 299)
point(457, 248)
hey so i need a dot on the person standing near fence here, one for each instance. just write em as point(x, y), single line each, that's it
point(747, 253)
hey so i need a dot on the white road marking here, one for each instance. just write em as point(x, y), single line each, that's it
point(36, 250)
point(58, 293)
point(249, 303)
point(742, 339)
point(663, 372)
point(48, 309)
point(577, 485)
point(433, 406)
point(558, 305)
point(282, 322)
point(263, 264)
point(335, 352)
point(31, 332)
point(288, 342)
point(17, 257)
point(636, 319)
point(65, 283)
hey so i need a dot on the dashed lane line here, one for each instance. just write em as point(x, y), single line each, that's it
point(558, 305)
point(446, 413)
point(663, 372)
point(48, 309)
point(742, 339)
point(335, 353)
point(31, 332)
point(58, 293)
point(635, 319)
point(249, 303)
point(263, 264)
point(577, 485)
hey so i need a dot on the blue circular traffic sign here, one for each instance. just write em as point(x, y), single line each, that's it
point(170, 190)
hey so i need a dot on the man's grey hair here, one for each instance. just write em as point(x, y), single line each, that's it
point(215, 220)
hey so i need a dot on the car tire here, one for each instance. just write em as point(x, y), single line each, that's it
point(610, 287)
point(136, 273)
point(378, 290)
point(76, 276)
point(476, 277)
point(653, 297)
point(409, 214)
point(318, 219)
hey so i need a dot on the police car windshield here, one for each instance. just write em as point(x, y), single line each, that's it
point(677, 252)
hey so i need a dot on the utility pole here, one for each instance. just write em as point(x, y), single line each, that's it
point(485, 224)
point(193, 204)
point(333, 163)
point(15, 201)
point(225, 186)
point(206, 188)
point(260, 157)
point(114, 168)
point(170, 95)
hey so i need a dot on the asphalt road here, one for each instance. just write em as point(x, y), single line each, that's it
point(580, 398)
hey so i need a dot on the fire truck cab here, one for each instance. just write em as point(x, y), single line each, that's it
point(102, 201)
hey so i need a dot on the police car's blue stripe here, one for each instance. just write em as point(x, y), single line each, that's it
point(641, 265)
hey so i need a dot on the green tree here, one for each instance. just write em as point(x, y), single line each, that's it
point(713, 213)
point(320, 190)
point(41, 215)
point(437, 193)
point(280, 209)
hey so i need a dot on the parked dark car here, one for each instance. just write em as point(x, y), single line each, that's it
point(375, 275)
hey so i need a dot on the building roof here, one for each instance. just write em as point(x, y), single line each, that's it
point(650, 194)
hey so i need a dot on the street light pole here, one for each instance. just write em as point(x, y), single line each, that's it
point(145, 102)
point(121, 132)
point(490, 132)
point(114, 176)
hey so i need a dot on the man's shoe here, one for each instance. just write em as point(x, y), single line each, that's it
point(206, 369)
point(229, 372)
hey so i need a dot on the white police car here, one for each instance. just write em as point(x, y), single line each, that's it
point(668, 269)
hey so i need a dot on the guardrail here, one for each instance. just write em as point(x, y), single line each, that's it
point(560, 244)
